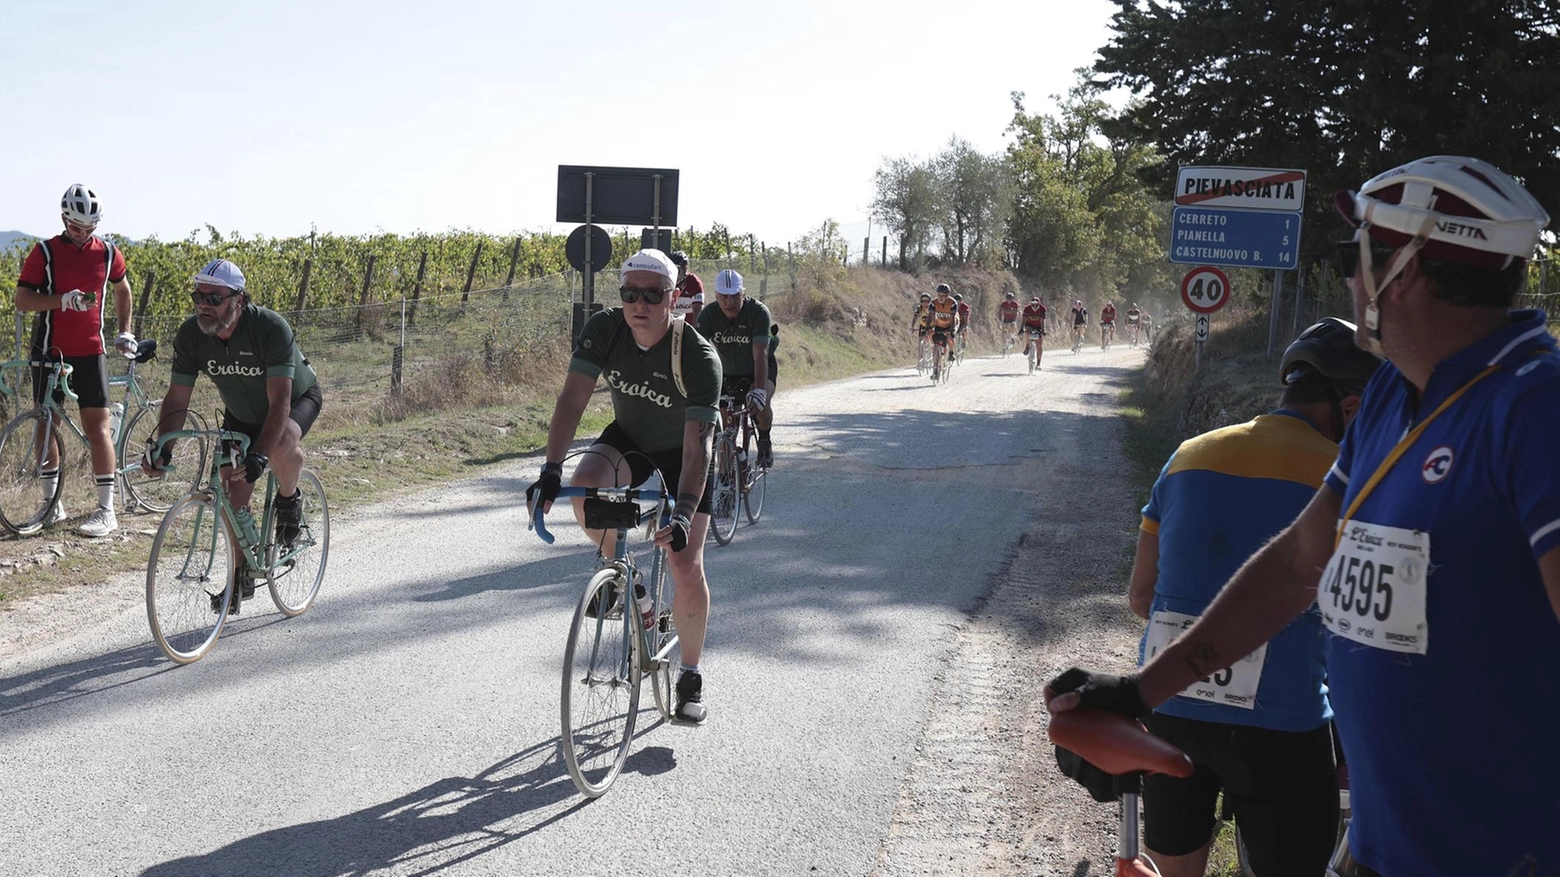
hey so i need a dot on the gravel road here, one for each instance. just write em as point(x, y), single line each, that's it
point(928, 556)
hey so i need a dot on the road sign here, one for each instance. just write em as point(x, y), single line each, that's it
point(1202, 329)
point(1205, 289)
point(1235, 238)
point(600, 248)
point(1249, 188)
point(617, 195)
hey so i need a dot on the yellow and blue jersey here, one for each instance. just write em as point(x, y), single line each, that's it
point(1220, 498)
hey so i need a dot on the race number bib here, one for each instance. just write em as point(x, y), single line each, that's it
point(1373, 591)
point(1235, 686)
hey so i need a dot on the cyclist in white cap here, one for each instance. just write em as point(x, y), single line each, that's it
point(267, 387)
point(739, 329)
point(65, 280)
point(659, 423)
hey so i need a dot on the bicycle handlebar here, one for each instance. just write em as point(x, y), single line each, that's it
point(1116, 744)
point(221, 435)
point(65, 371)
point(613, 494)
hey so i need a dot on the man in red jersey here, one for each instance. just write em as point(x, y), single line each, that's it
point(1034, 326)
point(64, 280)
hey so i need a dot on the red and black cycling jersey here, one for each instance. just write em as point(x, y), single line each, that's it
point(1108, 314)
point(964, 315)
point(1034, 316)
point(1009, 311)
point(57, 266)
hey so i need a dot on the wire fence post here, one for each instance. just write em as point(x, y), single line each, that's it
point(303, 285)
point(471, 274)
point(514, 259)
point(146, 295)
point(422, 268)
point(398, 356)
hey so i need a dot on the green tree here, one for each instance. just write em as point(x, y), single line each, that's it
point(974, 201)
point(907, 200)
point(1344, 89)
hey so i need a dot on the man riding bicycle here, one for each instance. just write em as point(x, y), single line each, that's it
point(1262, 733)
point(1007, 313)
point(1080, 321)
point(664, 416)
point(944, 316)
point(690, 290)
point(1134, 322)
point(964, 319)
point(1433, 549)
point(65, 280)
point(1107, 324)
point(739, 329)
point(1034, 328)
point(268, 389)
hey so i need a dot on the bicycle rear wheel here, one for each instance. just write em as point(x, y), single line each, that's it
point(723, 505)
point(191, 563)
point(754, 479)
point(158, 494)
point(25, 498)
point(297, 569)
point(600, 696)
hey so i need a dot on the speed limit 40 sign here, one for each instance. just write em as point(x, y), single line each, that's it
point(1205, 289)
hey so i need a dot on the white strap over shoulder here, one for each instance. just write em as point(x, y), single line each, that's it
point(677, 338)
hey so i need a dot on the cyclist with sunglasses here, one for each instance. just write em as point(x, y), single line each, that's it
point(65, 280)
point(665, 380)
point(1433, 547)
point(267, 387)
point(739, 329)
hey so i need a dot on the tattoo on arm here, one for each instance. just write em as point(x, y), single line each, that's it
point(686, 504)
point(1204, 659)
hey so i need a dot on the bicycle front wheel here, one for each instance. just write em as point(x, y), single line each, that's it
point(600, 697)
point(754, 479)
point(26, 497)
point(723, 505)
point(158, 494)
point(298, 567)
point(188, 580)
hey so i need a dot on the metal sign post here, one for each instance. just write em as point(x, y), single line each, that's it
point(1199, 339)
point(614, 195)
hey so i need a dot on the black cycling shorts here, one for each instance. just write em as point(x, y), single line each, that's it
point(642, 464)
point(1282, 787)
point(940, 337)
point(774, 371)
point(305, 410)
point(89, 381)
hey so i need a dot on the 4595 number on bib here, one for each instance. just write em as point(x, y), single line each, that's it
point(1373, 591)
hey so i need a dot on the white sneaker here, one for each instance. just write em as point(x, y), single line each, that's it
point(100, 523)
point(56, 516)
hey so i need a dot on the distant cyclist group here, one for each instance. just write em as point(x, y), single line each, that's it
point(941, 322)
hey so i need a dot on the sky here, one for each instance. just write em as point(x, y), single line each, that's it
point(272, 117)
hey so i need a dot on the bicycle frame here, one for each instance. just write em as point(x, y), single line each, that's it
point(659, 515)
point(58, 373)
point(252, 549)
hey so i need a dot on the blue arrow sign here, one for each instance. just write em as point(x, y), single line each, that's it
point(1232, 237)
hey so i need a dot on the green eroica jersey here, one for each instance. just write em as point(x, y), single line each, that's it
point(262, 347)
point(645, 400)
point(734, 339)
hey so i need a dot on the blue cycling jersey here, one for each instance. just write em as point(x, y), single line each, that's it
point(1451, 752)
point(1221, 497)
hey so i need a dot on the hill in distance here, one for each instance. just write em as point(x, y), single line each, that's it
point(10, 239)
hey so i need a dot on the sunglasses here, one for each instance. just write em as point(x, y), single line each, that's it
point(1349, 256)
point(631, 294)
point(211, 299)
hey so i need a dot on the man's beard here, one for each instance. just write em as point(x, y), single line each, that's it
point(216, 325)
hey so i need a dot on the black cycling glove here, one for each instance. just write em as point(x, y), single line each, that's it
point(1102, 691)
point(680, 526)
point(163, 458)
point(544, 489)
point(254, 465)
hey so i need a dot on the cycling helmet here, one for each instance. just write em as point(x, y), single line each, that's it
point(1327, 350)
point(728, 282)
point(80, 205)
point(958, 297)
point(1010, 295)
point(1078, 303)
point(1459, 209)
point(680, 259)
point(926, 296)
point(944, 288)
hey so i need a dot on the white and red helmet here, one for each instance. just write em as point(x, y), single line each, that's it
point(1461, 209)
